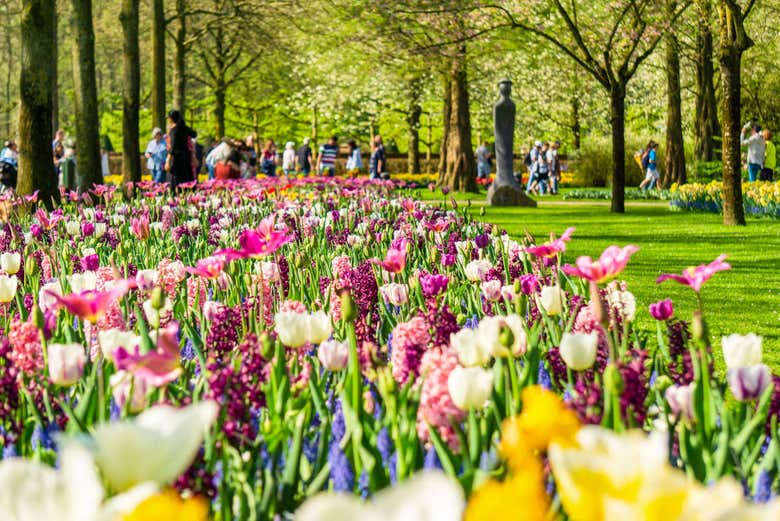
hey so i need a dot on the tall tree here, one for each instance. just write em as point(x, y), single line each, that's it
point(609, 41)
point(158, 63)
point(85, 87)
point(706, 126)
point(55, 64)
point(675, 150)
point(414, 111)
point(131, 96)
point(180, 58)
point(461, 167)
point(36, 171)
point(734, 41)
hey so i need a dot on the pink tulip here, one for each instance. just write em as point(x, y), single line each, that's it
point(552, 248)
point(157, 367)
point(140, 227)
point(696, 277)
point(209, 267)
point(395, 260)
point(662, 310)
point(258, 243)
point(609, 265)
point(91, 305)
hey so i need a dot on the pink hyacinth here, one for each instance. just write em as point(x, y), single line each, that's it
point(196, 292)
point(410, 340)
point(26, 352)
point(292, 306)
point(170, 274)
point(341, 266)
point(609, 265)
point(436, 405)
point(553, 247)
point(696, 277)
point(395, 260)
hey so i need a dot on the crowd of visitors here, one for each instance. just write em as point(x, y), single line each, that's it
point(761, 152)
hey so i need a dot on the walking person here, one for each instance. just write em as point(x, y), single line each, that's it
point(268, 158)
point(288, 159)
point(532, 161)
point(555, 167)
point(180, 154)
point(378, 166)
point(355, 159)
point(541, 168)
point(326, 161)
point(756, 150)
point(156, 153)
point(483, 161)
point(303, 159)
point(650, 164)
point(770, 158)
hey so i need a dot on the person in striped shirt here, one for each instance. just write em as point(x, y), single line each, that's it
point(326, 162)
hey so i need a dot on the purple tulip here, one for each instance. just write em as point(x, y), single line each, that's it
point(87, 229)
point(482, 241)
point(529, 284)
point(91, 262)
point(432, 285)
point(748, 383)
point(36, 231)
point(662, 310)
point(447, 259)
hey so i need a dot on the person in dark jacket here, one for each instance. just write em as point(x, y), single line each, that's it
point(180, 149)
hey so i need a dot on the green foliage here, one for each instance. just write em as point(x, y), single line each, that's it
point(632, 194)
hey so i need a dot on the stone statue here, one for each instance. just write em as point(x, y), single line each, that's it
point(505, 190)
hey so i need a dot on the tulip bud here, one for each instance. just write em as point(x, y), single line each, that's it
point(495, 231)
point(699, 327)
point(461, 318)
point(662, 383)
point(30, 266)
point(482, 211)
point(267, 345)
point(348, 308)
point(506, 337)
point(613, 380)
point(37, 317)
point(158, 298)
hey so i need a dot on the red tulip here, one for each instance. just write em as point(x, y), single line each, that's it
point(552, 248)
point(609, 265)
point(696, 277)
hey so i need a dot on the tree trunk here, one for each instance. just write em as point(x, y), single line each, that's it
point(674, 162)
point(158, 64)
point(445, 131)
point(55, 84)
point(36, 171)
point(461, 167)
point(413, 121)
point(85, 87)
point(219, 110)
point(180, 59)
point(733, 42)
point(733, 207)
point(10, 55)
point(576, 127)
point(706, 111)
point(131, 157)
point(618, 123)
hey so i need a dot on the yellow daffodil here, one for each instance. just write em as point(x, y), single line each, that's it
point(522, 496)
point(168, 506)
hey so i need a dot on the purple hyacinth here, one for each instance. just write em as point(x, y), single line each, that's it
point(431, 461)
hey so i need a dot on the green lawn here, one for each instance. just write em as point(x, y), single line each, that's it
point(742, 300)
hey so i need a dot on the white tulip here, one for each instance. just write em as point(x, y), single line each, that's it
point(153, 315)
point(156, 227)
point(157, 446)
point(551, 299)
point(45, 300)
point(320, 327)
point(7, 288)
point(741, 350)
point(112, 339)
point(624, 302)
point(122, 382)
point(333, 355)
point(73, 228)
point(270, 271)
point(489, 333)
point(80, 282)
point(471, 351)
point(477, 269)
point(470, 387)
point(10, 262)
point(578, 350)
point(66, 363)
point(296, 329)
point(100, 230)
point(426, 496)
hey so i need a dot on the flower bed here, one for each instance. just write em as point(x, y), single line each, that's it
point(239, 349)
point(760, 198)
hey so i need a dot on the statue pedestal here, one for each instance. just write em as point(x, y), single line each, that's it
point(508, 195)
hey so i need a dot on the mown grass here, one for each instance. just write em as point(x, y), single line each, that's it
point(743, 300)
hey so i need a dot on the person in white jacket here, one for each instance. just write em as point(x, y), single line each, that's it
point(756, 150)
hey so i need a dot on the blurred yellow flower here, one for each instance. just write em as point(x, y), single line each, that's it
point(168, 506)
point(545, 419)
point(521, 496)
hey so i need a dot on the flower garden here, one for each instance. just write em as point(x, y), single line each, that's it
point(762, 199)
point(321, 349)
